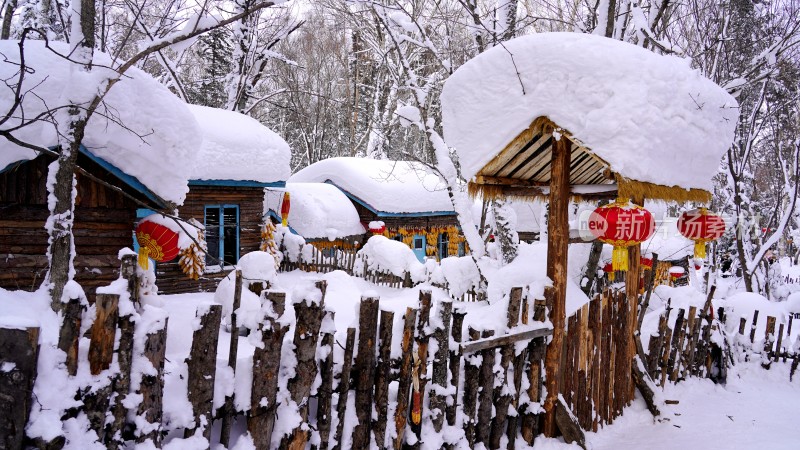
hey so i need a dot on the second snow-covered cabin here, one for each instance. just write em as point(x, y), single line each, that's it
point(409, 200)
point(238, 159)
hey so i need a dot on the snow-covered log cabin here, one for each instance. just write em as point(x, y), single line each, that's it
point(320, 213)
point(238, 159)
point(407, 197)
point(137, 153)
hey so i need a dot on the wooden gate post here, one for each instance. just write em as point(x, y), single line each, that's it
point(365, 370)
point(19, 353)
point(557, 246)
point(152, 385)
point(266, 364)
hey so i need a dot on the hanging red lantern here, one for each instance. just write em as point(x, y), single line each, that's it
point(286, 204)
point(701, 226)
point(621, 224)
point(608, 268)
point(647, 263)
point(156, 242)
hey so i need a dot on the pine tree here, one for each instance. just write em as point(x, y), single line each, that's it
point(215, 50)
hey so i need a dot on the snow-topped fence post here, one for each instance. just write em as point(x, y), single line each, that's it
point(404, 384)
point(344, 385)
point(365, 370)
point(382, 377)
point(439, 394)
point(19, 352)
point(325, 390)
point(266, 366)
point(309, 312)
point(150, 344)
point(201, 365)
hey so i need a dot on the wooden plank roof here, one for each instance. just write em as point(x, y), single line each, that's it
point(523, 169)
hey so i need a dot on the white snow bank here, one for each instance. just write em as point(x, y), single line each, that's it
point(459, 274)
point(318, 211)
point(386, 186)
point(238, 147)
point(651, 117)
point(257, 267)
point(141, 127)
point(385, 255)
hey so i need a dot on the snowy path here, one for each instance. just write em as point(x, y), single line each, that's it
point(758, 409)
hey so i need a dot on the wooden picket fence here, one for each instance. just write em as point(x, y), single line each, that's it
point(323, 261)
point(482, 402)
point(776, 347)
point(596, 383)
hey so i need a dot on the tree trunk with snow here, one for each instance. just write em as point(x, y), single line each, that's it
point(506, 233)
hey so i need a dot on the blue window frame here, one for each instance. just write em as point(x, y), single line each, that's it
point(444, 244)
point(222, 234)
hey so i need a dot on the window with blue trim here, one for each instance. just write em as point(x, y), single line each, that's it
point(444, 244)
point(222, 234)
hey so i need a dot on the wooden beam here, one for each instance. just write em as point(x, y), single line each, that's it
point(497, 341)
point(506, 181)
point(557, 245)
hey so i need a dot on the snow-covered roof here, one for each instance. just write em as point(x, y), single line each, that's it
point(141, 128)
point(237, 147)
point(651, 118)
point(395, 187)
point(318, 211)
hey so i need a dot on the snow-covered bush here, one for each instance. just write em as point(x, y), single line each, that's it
point(381, 254)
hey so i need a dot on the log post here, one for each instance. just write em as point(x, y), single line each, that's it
point(365, 369)
point(779, 344)
point(101, 353)
point(471, 384)
point(503, 393)
point(69, 334)
point(628, 347)
point(753, 327)
point(382, 377)
point(455, 364)
point(530, 418)
point(438, 401)
point(122, 383)
point(404, 378)
point(104, 329)
point(420, 367)
point(266, 365)
point(202, 367)
point(19, 354)
point(306, 334)
point(557, 246)
point(485, 396)
point(344, 385)
point(152, 385)
point(229, 410)
point(325, 390)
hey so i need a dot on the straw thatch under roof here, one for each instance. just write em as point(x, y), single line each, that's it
point(522, 170)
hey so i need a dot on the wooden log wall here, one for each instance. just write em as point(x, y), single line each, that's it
point(104, 221)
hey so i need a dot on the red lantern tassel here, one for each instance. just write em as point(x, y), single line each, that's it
point(700, 249)
point(144, 257)
point(619, 258)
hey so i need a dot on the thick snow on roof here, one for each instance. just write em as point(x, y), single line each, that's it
point(238, 147)
point(155, 143)
point(386, 186)
point(651, 117)
point(318, 211)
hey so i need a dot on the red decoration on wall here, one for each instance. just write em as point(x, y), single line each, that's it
point(701, 226)
point(286, 204)
point(156, 242)
point(621, 224)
